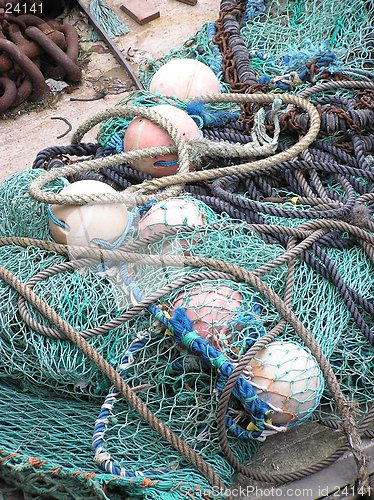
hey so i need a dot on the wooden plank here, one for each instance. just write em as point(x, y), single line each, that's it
point(188, 2)
point(141, 11)
point(113, 47)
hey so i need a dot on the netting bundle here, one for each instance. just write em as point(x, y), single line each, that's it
point(236, 303)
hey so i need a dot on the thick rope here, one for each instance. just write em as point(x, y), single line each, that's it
point(136, 195)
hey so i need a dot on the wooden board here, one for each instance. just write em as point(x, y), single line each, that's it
point(189, 2)
point(141, 11)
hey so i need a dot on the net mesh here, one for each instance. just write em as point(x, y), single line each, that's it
point(52, 395)
point(283, 36)
point(86, 300)
point(290, 34)
point(177, 386)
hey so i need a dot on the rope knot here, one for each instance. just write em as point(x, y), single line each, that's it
point(360, 215)
point(101, 457)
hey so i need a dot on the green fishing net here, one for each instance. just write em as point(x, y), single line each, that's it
point(52, 394)
point(286, 35)
point(289, 34)
point(179, 388)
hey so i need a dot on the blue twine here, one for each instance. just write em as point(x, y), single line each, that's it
point(115, 143)
point(161, 163)
point(119, 241)
point(324, 63)
point(211, 118)
point(253, 9)
point(293, 70)
point(144, 208)
point(55, 220)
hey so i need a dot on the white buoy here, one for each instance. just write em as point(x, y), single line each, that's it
point(79, 225)
point(184, 79)
point(288, 378)
point(173, 212)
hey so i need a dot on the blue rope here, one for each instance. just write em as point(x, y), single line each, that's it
point(211, 118)
point(101, 423)
point(253, 9)
point(243, 390)
point(55, 220)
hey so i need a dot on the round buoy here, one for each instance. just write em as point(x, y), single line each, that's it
point(288, 378)
point(173, 212)
point(142, 133)
point(79, 225)
point(210, 308)
point(184, 79)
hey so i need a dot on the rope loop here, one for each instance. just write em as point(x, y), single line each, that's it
point(172, 185)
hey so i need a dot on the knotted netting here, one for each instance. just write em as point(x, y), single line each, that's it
point(171, 323)
point(289, 42)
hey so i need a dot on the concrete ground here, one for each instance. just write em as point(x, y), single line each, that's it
point(24, 132)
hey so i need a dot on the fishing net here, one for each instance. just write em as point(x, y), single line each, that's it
point(288, 35)
point(283, 38)
point(176, 386)
point(174, 328)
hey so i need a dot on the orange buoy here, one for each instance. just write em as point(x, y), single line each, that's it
point(184, 79)
point(210, 308)
point(142, 133)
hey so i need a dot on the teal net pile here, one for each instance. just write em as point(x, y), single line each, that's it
point(177, 386)
point(87, 299)
point(290, 34)
point(284, 37)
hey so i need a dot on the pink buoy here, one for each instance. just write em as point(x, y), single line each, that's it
point(210, 308)
point(142, 133)
point(288, 378)
point(184, 79)
point(174, 212)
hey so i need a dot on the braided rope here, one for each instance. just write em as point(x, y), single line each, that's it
point(82, 149)
point(135, 195)
point(343, 84)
